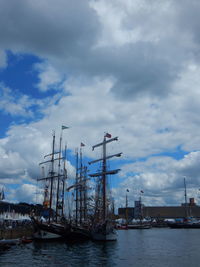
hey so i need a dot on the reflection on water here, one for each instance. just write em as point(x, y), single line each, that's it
point(83, 254)
point(152, 247)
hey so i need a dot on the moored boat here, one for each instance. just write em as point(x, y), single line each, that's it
point(187, 224)
point(103, 224)
point(54, 226)
point(139, 226)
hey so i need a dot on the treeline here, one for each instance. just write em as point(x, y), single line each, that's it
point(22, 207)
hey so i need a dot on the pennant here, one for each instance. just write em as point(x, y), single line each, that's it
point(142, 191)
point(127, 190)
point(64, 127)
point(82, 144)
point(108, 135)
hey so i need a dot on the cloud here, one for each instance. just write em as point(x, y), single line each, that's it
point(161, 179)
point(49, 77)
point(81, 40)
point(26, 193)
point(14, 103)
point(144, 127)
point(3, 59)
point(48, 29)
point(130, 68)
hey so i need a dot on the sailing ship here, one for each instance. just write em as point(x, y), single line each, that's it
point(80, 222)
point(102, 228)
point(55, 225)
point(188, 222)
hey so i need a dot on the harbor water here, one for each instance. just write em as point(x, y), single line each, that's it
point(150, 247)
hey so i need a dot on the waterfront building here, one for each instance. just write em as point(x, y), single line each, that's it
point(161, 212)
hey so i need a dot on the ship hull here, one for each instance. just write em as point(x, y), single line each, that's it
point(184, 225)
point(45, 235)
point(139, 226)
point(50, 231)
point(79, 233)
point(104, 237)
point(104, 232)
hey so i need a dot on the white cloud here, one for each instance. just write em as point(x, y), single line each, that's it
point(14, 103)
point(161, 179)
point(49, 77)
point(26, 193)
point(130, 68)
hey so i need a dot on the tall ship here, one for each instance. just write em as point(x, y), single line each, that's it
point(51, 224)
point(80, 223)
point(102, 227)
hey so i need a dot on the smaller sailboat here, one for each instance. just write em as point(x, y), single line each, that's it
point(103, 224)
point(187, 222)
point(140, 223)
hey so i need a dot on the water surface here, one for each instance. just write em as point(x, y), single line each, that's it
point(150, 247)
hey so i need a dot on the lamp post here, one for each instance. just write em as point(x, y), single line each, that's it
point(186, 208)
point(127, 190)
point(141, 213)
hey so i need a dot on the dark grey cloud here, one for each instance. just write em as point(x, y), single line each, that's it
point(48, 28)
point(140, 69)
point(67, 33)
point(188, 18)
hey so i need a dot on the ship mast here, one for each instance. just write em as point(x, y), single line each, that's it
point(127, 207)
point(103, 174)
point(63, 180)
point(76, 189)
point(104, 179)
point(58, 182)
point(52, 176)
point(186, 206)
point(81, 187)
point(85, 196)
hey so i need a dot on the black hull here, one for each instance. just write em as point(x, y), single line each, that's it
point(67, 232)
point(184, 226)
point(79, 234)
point(62, 230)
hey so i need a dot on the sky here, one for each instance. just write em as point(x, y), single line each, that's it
point(130, 68)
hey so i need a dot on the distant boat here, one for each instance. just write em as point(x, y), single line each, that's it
point(141, 223)
point(139, 226)
point(187, 222)
point(190, 223)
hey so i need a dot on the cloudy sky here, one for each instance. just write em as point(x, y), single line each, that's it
point(130, 68)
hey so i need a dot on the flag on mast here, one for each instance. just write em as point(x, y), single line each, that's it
point(82, 144)
point(64, 127)
point(108, 135)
